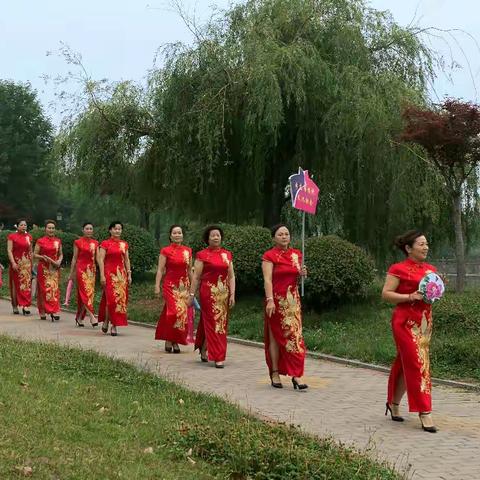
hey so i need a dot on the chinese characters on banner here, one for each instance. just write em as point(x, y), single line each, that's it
point(304, 192)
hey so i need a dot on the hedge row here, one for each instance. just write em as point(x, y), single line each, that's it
point(337, 270)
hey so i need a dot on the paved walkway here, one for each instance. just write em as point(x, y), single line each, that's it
point(345, 402)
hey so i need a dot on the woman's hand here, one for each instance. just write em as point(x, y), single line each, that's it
point(157, 291)
point(190, 300)
point(15, 266)
point(270, 308)
point(71, 277)
point(231, 300)
point(103, 280)
point(129, 278)
point(303, 271)
point(412, 297)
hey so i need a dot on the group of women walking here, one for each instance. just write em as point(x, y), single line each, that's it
point(211, 274)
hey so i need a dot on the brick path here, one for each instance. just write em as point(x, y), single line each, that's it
point(344, 402)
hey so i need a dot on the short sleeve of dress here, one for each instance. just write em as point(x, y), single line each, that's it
point(164, 251)
point(104, 245)
point(10, 236)
point(201, 255)
point(395, 270)
point(76, 242)
point(268, 257)
point(230, 255)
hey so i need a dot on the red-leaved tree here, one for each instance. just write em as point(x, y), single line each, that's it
point(450, 136)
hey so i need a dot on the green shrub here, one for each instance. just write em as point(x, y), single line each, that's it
point(3, 247)
point(458, 311)
point(143, 250)
point(337, 271)
point(247, 244)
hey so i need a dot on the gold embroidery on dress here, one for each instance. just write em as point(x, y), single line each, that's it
point(122, 247)
point(88, 279)
point(24, 272)
point(225, 258)
point(186, 256)
point(51, 284)
point(92, 248)
point(180, 295)
point(295, 261)
point(119, 284)
point(291, 320)
point(219, 296)
point(421, 336)
point(56, 244)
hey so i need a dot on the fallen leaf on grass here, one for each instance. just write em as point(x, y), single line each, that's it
point(148, 450)
point(191, 460)
point(103, 409)
point(24, 470)
point(189, 453)
point(181, 401)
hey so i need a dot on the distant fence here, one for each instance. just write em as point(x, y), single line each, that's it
point(448, 266)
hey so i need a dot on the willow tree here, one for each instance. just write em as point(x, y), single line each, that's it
point(274, 84)
point(450, 135)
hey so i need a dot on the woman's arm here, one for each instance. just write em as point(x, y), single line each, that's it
point(36, 253)
point(58, 263)
point(162, 260)
point(74, 262)
point(231, 285)
point(267, 270)
point(197, 275)
point(128, 268)
point(390, 295)
point(101, 265)
point(13, 263)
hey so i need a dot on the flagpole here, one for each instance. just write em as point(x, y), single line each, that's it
point(303, 252)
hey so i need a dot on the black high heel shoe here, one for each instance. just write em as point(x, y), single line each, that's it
point(432, 429)
point(15, 310)
point(78, 324)
point(300, 386)
point(275, 384)
point(176, 348)
point(105, 327)
point(43, 317)
point(94, 324)
point(54, 318)
point(203, 355)
point(395, 418)
point(113, 333)
point(25, 311)
point(168, 347)
point(219, 365)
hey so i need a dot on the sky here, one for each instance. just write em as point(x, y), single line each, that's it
point(118, 39)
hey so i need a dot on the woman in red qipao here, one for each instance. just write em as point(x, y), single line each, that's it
point(412, 330)
point(19, 249)
point(83, 268)
point(284, 346)
point(175, 262)
point(213, 271)
point(48, 252)
point(115, 276)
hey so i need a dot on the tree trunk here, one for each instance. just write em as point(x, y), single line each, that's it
point(145, 219)
point(459, 242)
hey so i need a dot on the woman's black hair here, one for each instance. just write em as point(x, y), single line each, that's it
point(116, 222)
point(50, 221)
point(87, 223)
point(277, 227)
point(20, 220)
point(206, 232)
point(170, 230)
point(407, 239)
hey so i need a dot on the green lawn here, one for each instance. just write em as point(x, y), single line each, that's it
point(68, 414)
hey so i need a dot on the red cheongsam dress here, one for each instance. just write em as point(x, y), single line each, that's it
point(412, 330)
point(214, 295)
point(173, 322)
point(115, 293)
point(21, 280)
point(48, 276)
point(286, 322)
point(85, 273)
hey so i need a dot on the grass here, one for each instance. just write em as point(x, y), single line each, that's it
point(74, 414)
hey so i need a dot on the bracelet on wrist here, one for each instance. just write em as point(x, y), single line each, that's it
point(191, 294)
point(269, 298)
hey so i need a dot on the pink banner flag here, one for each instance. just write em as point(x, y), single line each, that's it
point(306, 196)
